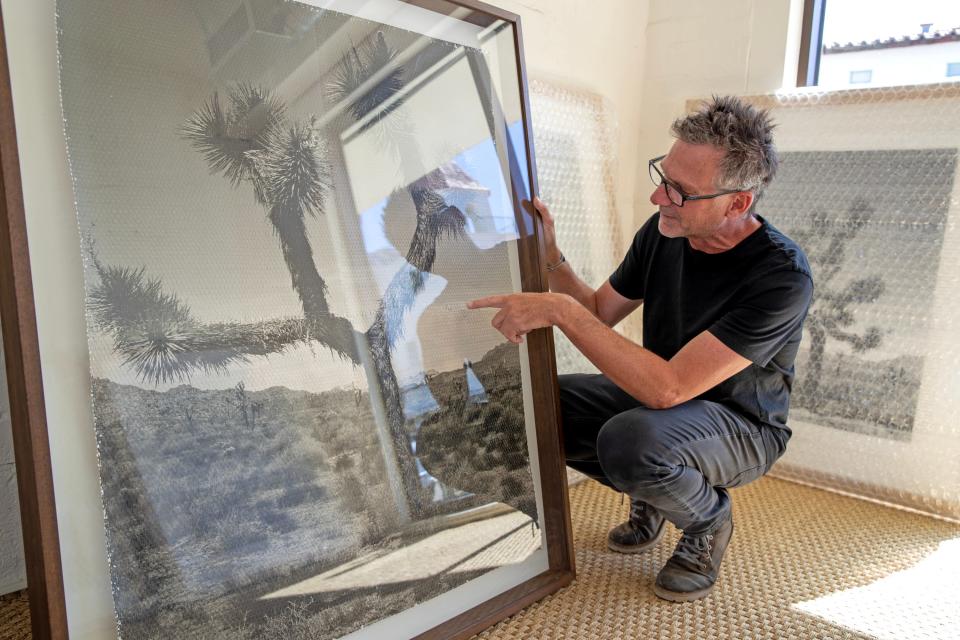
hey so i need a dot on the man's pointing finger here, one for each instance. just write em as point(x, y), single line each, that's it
point(489, 301)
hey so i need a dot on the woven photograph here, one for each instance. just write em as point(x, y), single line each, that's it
point(871, 223)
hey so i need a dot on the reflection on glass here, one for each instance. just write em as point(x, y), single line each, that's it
point(284, 210)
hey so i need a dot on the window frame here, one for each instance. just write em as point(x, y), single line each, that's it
point(811, 42)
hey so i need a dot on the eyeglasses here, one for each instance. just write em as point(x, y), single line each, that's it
point(675, 193)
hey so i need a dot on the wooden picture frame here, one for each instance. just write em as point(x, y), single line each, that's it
point(51, 365)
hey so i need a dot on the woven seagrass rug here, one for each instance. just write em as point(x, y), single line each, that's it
point(803, 564)
point(14, 616)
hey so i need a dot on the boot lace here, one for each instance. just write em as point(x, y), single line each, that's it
point(695, 550)
point(637, 509)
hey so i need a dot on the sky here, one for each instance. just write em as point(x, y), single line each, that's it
point(856, 20)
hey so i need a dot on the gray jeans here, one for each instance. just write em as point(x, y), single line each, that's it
point(680, 460)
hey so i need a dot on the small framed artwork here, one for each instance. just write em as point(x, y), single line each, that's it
point(875, 208)
point(237, 241)
point(868, 185)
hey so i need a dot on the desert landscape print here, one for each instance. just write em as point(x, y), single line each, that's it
point(299, 426)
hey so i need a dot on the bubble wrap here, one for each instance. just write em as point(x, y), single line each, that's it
point(573, 134)
point(868, 186)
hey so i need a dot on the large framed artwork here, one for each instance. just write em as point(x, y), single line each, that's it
point(248, 400)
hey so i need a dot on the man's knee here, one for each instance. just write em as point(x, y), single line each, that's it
point(631, 450)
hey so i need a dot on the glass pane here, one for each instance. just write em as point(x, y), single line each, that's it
point(283, 210)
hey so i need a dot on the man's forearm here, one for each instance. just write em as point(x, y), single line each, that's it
point(641, 373)
point(565, 280)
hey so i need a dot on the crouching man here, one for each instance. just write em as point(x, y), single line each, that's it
point(702, 405)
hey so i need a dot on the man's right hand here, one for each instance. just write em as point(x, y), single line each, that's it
point(552, 252)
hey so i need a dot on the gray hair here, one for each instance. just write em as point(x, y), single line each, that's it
point(743, 132)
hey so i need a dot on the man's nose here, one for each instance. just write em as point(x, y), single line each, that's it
point(659, 196)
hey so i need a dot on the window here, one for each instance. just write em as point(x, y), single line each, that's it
point(908, 43)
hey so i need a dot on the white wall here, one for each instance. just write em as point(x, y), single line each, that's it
point(597, 47)
point(695, 48)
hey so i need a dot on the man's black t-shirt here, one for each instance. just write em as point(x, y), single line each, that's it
point(753, 298)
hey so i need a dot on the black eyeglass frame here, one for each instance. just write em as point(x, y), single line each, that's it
point(683, 196)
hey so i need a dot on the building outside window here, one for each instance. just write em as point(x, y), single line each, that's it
point(876, 43)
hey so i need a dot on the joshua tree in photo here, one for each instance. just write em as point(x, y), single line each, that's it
point(256, 410)
point(251, 140)
point(240, 397)
point(831, 314)
point(248, 138)
point(358, 68)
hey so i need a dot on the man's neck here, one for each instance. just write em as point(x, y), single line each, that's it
point(728, 237)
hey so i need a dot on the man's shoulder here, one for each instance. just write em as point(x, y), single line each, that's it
point(780, 252)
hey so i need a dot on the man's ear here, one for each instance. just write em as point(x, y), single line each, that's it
point(740, 203)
